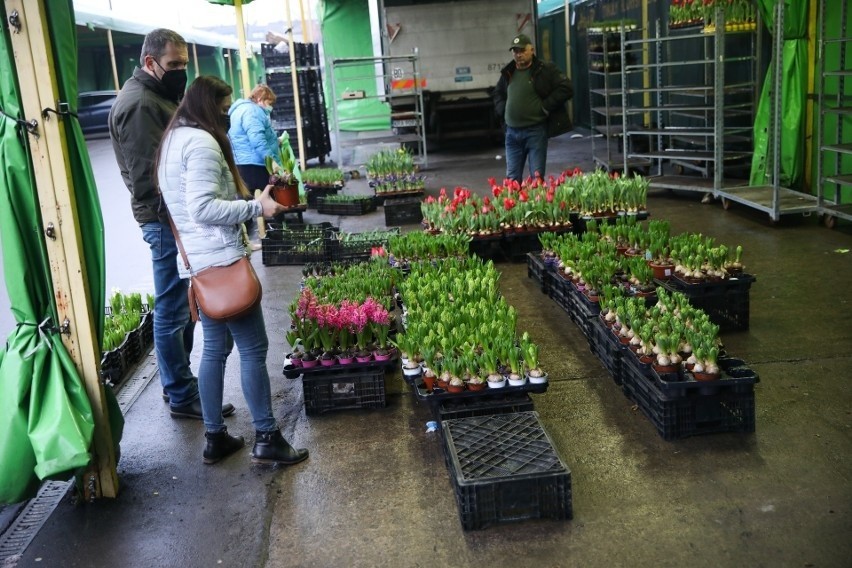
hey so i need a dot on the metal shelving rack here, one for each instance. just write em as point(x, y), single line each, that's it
point(834, 143)
point(606, 99)
point(703, 126)
point(773, 198)
point(408, 123)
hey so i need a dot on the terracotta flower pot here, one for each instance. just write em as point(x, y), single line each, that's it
point(429, 381)
point(665, 369)
point(286, 195)
point(705, 376)
point(662, 271)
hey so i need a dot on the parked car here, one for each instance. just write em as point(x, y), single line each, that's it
point(93, 111)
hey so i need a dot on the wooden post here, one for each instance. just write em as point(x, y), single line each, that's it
point(37, 79)
point(112, 60)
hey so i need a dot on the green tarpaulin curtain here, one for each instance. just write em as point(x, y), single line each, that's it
point(793, 99)
point(346, 33)
point(46, 422)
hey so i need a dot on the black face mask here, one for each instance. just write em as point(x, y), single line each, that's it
point(174, 82)
point(225, 121)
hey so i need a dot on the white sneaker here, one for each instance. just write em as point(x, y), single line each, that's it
point(708, 197)
point(255, 246)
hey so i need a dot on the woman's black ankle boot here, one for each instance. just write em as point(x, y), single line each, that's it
point(221, 445)
point(272, 448)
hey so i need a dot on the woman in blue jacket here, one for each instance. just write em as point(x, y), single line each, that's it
point(253, 139)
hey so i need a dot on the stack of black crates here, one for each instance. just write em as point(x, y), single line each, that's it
point(676, 404)
point(314, 116)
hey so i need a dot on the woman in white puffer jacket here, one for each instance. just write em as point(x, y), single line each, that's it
point(198, 182)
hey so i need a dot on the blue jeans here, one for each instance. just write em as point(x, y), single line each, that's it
point(173, 329)
point(524, 144)
point(249, 333)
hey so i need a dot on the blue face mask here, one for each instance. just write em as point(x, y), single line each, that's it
point(267, 110)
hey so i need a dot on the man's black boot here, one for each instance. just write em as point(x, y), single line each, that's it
point(221, 445)
point(272, 448)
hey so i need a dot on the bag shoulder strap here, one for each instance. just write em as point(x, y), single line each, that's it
point(177, 236)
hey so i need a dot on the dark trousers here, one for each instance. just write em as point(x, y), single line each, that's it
point(255, 177)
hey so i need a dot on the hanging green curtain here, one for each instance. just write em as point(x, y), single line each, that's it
point(46, 424)
point(346, 33)
point(793, 99)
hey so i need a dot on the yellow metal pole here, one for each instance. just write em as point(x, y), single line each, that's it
point(112, 60)
point(306, 28)
point(241, 38)
point(809, 106)
point(230, 56)
point(568, 54)
point(195, 59)
point(646, 60)
point(294, 76)
point(52, 171)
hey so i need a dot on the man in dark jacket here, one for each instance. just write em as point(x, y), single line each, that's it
point(141, 112)
point(531, 98)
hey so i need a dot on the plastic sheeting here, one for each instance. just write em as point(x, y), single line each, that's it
point(793, 100)
point(346, 33)
point(46, 423)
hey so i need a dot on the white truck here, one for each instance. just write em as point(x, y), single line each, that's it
point(462, 45)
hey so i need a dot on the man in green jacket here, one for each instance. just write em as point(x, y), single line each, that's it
point(141, 112)
point(531, 98)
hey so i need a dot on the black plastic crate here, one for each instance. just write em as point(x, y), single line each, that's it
point(516, 246)
point(276, 60)
point(563, 293)
point(113, 367)
point(604, 343)
point(735, 376)
point(344, 390)
point(494, 404)
point(485, 247)
point(725, 301)
point(355, 207)
point(358, 249)
point(145, 335)
point(296, 244)
point(404, 211)
point(696, 411)
point(315, 193)
point(539, 272)
point(503, 467)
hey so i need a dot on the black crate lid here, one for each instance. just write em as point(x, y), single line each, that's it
point(501, 446)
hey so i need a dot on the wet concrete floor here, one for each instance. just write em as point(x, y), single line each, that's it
point(376, 492)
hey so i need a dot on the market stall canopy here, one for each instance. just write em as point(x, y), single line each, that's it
point(106, 19)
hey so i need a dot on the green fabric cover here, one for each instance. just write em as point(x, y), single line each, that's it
point(346, 33)
point(47, 424)
point(793, 100)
